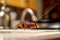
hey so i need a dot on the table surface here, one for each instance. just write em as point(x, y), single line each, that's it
point(28, 34)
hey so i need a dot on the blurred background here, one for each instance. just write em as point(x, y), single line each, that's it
point(47, 13)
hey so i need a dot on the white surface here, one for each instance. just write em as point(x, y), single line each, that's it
point(27, 30)
point(55, 25)
point(29, 34)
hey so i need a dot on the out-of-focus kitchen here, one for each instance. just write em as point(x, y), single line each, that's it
point(29, 19)
point(38, 13)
